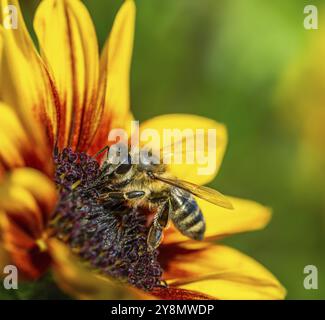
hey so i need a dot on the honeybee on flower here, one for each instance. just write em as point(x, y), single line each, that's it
point(57, 106)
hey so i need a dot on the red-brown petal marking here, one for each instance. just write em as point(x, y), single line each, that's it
point(27, 199)
point(173, 253)
point(27, 86)
point(173, 293)
point(115, 62)
point(31, 260)
point(218, 271)
point(69, 47)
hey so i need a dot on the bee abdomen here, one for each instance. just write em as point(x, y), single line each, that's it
point(187, 216)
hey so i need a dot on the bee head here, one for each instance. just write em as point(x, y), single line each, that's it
point(119, 160)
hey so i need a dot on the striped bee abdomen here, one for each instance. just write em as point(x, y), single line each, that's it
point(186, 214)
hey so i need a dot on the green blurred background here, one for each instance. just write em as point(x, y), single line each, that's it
point(251, 65)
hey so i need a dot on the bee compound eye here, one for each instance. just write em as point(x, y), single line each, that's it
point(123, 168)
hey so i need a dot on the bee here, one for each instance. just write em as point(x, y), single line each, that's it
point(148, 184)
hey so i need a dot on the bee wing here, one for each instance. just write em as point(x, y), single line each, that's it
point(203, 141)
point(202, 192)
point(180, 142)
point(184, 144)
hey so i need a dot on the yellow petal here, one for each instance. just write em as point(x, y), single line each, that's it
point(221, 272)
point(10, 148)
point(69, 46)
point(23, 250)
point(1, 45)
point(28, 197)
point(16, 147)
point(114, 93)
point(39, 186)
point(4, 256)
point(246, 216)
point(12, 236)
point(25, 83)
point(79, 281)
point(187, 171)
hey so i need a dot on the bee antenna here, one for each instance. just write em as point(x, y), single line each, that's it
point(101, 151)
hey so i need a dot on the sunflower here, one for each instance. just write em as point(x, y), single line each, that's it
point(57, 106)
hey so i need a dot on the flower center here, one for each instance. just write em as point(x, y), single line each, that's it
point(111, 238)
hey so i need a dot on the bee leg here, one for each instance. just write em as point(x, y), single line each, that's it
point(134, 194)
point(163, 284)
point(160, 221)
point(121, 195)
